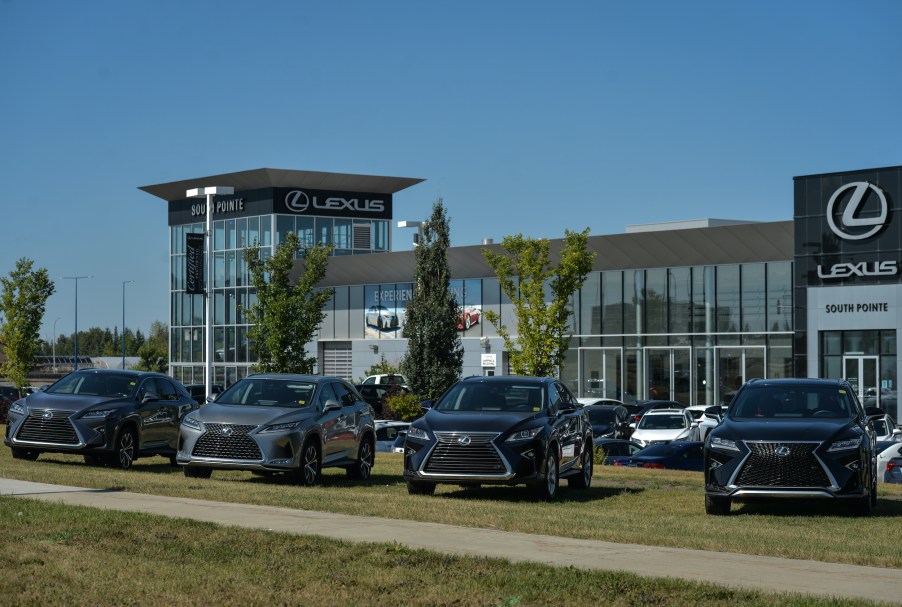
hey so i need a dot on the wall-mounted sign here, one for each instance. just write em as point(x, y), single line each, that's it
point(194, 264)
point(861, 209)
point(489, 360)
point(334, 204)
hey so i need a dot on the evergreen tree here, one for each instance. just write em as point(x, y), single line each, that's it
point(23, 296)
point(286, 317)
point(524, 272)
point(434, 359)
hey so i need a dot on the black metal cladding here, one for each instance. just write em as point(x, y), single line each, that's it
point(57, 429)
point(228, 442)
point(798, 468)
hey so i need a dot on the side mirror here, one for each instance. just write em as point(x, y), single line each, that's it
point(212, 397)
point(150, 397)
point(332, 405)
point(426, 404)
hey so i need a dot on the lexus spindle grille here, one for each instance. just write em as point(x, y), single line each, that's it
point(227, 441)
point(782, 465)
point(465, 453)
point(47, 426)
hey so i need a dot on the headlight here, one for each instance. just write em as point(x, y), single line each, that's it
point(17, 408)
point(286, 427)
point(417, 433)
point(96, 414)
point(723, 444)
point(842, 445)
point(190, 422)
point(524, 434)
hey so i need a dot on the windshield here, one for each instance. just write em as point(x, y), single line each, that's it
point(793, 402)
point(513, 396)
point(600, 417)
point(662, 422)
point(110, 385)
point(261, 392)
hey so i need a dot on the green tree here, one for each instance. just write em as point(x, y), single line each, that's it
point(523, 272)
point(23, 297)
point(434, 358)
point(153, 354)
point(285, 318)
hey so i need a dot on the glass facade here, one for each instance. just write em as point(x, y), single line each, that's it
point(691, 334)
point(232, 289)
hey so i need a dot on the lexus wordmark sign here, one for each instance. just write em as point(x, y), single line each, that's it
point(848, 228)
point(303, 201)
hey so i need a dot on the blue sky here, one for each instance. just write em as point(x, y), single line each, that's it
point(531, 117)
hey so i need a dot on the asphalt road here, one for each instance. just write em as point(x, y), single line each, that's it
point(736, 570)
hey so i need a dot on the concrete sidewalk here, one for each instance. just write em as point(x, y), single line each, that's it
point(737, 570)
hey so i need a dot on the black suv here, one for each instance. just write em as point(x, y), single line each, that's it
point(796, 438)
point(502, 431)
point(111, 417)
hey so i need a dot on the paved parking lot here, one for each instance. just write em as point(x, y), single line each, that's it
point(739, 570)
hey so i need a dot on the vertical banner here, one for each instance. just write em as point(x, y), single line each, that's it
point(194, 264)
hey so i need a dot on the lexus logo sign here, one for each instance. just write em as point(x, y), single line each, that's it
point(855, 196)
point(297, 201)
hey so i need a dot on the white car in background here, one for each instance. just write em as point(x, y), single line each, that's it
point(660, 426)
point(886, 429)
point(703, 421)
point(892, 451)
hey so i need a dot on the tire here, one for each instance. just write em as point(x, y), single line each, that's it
point(94, 460)
point(126, 450)
point(467, 322)
point(547, 490)
point(717, 506)
point(198, 472)
point(308, 472)
point(26, 454)
point(414, 488)
point(366, 458)
point(874, 492)
point(584, 479)
point(173, 461)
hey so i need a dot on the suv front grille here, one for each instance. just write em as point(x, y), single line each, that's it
point(465, 453)
point(56, 428)
point(797, 468)
point(227, 441)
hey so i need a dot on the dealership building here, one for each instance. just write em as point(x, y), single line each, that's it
point(682, 310)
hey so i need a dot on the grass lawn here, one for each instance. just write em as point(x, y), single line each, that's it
point(65, 555)
point(653, 507)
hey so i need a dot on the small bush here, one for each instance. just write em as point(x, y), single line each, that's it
point(599, 457)
point(403, 406)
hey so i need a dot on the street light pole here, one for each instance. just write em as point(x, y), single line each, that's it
point(75, 354)
point(124, 282)
point(209, 193)
point(54, 344)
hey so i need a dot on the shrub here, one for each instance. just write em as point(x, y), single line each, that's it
point(403, 406)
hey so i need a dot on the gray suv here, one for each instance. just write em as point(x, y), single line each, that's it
point(296, 424)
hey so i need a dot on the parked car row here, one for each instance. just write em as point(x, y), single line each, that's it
point(779, 438)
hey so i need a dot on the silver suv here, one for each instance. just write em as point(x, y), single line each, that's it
point(296, 424)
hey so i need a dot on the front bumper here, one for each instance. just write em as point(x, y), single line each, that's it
point(55, 431)
point(786, 469)
point(239, 447)
point(482, 460)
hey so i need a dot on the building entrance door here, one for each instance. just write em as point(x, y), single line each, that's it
point(669, 373)
point(862, 373)
point(601, 373)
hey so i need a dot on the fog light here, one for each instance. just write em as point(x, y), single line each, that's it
point(714, 465)
point(856, 466)
point(531, 454)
